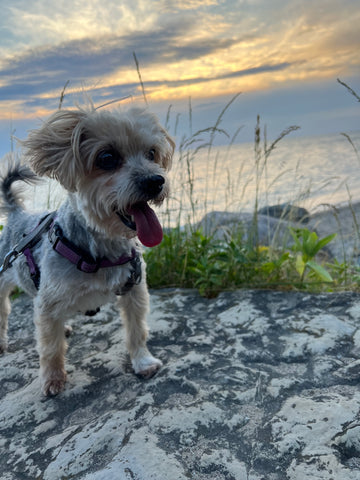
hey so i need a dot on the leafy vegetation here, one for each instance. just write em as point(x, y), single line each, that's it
point(307, 246)
point(189, 259)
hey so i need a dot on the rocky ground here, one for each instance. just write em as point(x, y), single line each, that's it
point(256, 385)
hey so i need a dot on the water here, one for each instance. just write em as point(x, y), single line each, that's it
point(307, 171)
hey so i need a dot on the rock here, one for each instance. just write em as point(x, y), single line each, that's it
point(286, 211)
point(214, 221)
point(273, 224)
point(345, 221)
point(255, 385)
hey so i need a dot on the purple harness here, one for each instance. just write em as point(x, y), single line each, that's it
point(64, 247)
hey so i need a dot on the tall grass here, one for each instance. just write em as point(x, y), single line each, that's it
point(193, 190)
point(190, 258)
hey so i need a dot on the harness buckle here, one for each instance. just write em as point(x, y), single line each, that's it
point(54, 235)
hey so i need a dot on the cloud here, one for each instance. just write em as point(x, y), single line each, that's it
point(46, 22)
point(233, 74)
point(43, 69)
point(185, 47)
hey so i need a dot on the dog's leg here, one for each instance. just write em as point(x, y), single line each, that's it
point(52, 347)
point(5, 309)
point(135, 306)
point(6, 288)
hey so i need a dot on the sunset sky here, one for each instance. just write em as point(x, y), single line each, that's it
point(284, 56)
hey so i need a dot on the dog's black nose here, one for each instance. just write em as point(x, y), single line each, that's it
point(152, 186)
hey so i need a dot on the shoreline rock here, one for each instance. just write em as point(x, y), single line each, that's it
point(274, 220)
point(255, 385)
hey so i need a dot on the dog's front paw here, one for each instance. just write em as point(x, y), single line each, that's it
point(3, 346)
point(68, 331)
point(145, 365)
point(53, 383)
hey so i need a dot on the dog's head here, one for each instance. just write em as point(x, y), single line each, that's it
point(114, 163)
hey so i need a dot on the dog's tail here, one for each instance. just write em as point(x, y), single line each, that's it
point(11, 198)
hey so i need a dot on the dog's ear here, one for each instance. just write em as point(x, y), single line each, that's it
point(167, 157)
point(53, 149)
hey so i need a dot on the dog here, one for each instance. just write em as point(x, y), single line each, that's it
point(88, 252)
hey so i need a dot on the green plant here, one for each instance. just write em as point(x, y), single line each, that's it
point(16, 293)
point(191, 259)
point(307, 246)
point(174, 261)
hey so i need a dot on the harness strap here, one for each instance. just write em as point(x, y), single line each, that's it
point(31, 239)
point(28, 241)
point(79, 257)
point(33, 268)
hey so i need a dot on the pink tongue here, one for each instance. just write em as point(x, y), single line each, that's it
point(147, 224)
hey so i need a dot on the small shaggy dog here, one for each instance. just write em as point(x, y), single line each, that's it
point(87, 253)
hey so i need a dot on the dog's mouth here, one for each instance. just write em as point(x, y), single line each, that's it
point(127, 220)
point(142, 219)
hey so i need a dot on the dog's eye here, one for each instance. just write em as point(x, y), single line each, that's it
point(151, 155)
point(108, 160)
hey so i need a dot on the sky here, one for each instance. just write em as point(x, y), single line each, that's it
point(280, 59)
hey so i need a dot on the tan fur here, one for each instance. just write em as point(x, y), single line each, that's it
point(67, 147)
